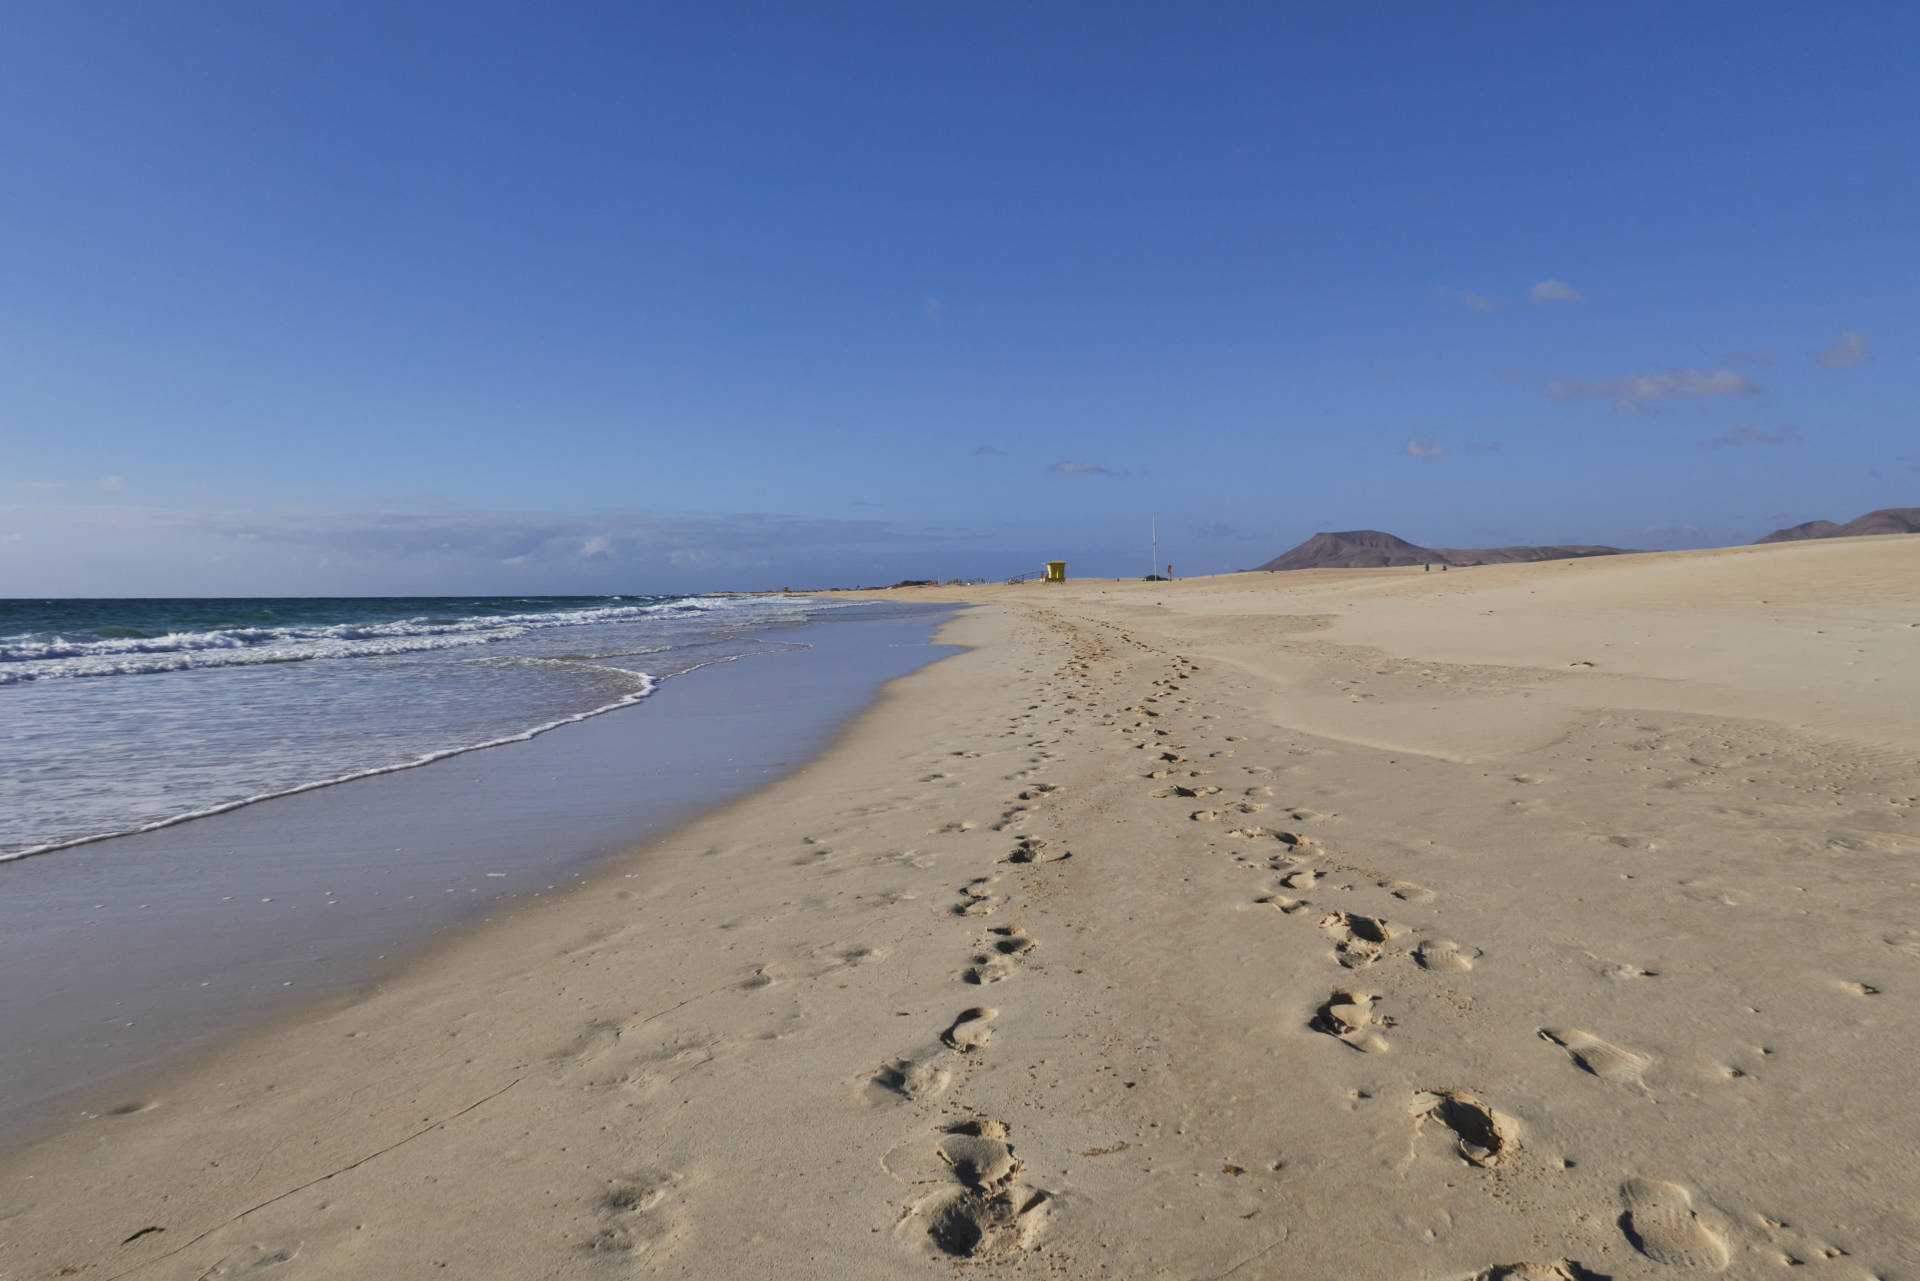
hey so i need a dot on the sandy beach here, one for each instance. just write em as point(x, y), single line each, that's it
point(1548, 920)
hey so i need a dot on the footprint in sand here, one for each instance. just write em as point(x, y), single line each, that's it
point(1012, 816)
point(986, 1211)
point(1408, 892)
point(1010, 940)
point(972, 1029)
point(1358, 940)
point(1623, 970)
point(1662, 1223)
point(998, 956)
point(1483, 1136)
point(1281, 903)
point(1907, 941)
point(255, 1260)
point(764, 976)
point(987, 968)
point(909, 1077)
point(979, 1155)
point(1558, 1270)
point(977, 898)
point(1031, 849)
point(595, 1039)
point(1603, 1059)
point(1871, 842)
point(1349, 1017)
point(1445, 956)
point(640, 1213)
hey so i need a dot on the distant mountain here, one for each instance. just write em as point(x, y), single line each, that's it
point(1888, 520)
point(1352, 549)
point(1375, 549)
point(1809, 529)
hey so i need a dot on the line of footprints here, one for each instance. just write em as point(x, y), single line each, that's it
point(1660, 1219)
point(977, 1205)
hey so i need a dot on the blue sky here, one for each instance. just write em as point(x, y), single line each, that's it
point(475, 297)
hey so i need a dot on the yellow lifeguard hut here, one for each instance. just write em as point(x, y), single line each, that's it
point(1056, 571)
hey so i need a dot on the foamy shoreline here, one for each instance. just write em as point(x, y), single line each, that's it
point(1542, 917)
point(142, 946)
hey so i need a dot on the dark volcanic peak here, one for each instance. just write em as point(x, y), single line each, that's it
point(1352, 549)
point(1375, 549)
point(1806, 529)
point(1888, 520)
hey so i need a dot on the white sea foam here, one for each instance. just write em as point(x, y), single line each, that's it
point(29, 658)
point(186, 748)
point(646, 684)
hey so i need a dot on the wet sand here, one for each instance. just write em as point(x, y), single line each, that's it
point(126, 954)
point(1539, 920)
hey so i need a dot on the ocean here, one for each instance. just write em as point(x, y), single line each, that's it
point(120, 716)
point(318, 855)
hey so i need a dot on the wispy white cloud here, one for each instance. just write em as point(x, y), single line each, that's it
point(112, 482)
point(1425, 448)
point(1555, 291)
point(94, 548)
point(1065, 468)
point(13, 538)
point(540, 536)
point(1755, 436)
point(1480, 302)
point(1632, 395)
point(931, 309)
point(1849, 351)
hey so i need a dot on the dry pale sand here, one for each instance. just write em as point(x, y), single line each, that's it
point(1532, 920)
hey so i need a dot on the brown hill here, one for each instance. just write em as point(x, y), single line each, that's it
point(1888, 520)
point(1808, 529)
point(1374, 549)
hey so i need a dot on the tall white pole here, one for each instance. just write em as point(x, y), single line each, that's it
point(1155, 527)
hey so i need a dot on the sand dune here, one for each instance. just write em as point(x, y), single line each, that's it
point(1546, 920)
